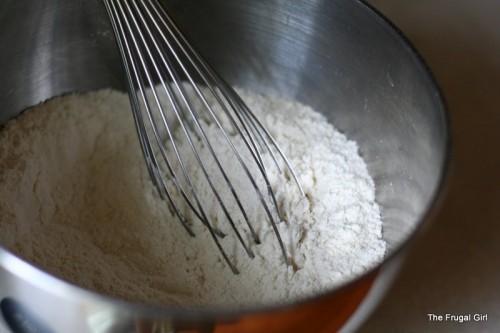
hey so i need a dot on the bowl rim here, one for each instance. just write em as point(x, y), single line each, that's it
point(55, 286)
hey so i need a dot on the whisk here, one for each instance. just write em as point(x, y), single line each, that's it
point(170, 85)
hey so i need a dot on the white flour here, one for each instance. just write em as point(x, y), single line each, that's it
point(76, 200)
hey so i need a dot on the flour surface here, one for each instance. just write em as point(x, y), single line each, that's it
point(76, 200)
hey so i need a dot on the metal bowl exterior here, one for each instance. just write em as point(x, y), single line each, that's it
point(340, 57)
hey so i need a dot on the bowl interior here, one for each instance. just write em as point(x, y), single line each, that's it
point(339, 57)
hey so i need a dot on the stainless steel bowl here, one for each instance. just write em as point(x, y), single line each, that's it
point(341, 57)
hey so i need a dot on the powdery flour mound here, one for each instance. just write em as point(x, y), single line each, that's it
point(76, 200)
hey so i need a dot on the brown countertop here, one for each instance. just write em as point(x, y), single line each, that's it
point(454, 268)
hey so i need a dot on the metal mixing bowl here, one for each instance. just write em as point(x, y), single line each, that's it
point(340, 57)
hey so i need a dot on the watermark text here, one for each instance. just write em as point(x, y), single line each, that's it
point(459, 318)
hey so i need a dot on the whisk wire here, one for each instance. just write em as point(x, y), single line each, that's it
point(228, 93)
point(153, 165)
point(140, 86)
point(209, 146)
point(153, 50)
point(165, 122)
point(174, 103)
